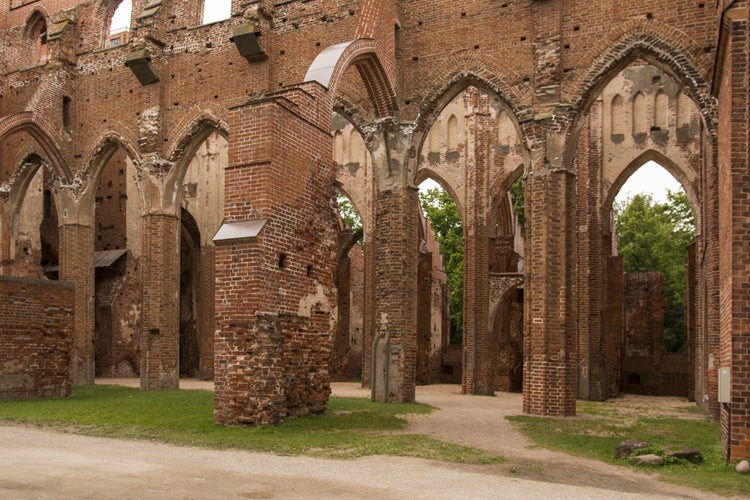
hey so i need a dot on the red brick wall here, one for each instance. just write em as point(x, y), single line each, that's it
point(36, 328)
point(734, 211)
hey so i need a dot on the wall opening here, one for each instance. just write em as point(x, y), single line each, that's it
point(654, 231)
point(119, 25)
point(190, 281)
point(346, 357)
point(216, 10)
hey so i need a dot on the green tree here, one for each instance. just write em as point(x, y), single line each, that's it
point(442, 212)
point(348, 213)
point(654, 237)
point(517, 198)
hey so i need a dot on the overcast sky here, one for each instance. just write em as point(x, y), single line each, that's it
point(215, 10)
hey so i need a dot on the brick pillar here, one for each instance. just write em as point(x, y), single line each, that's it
point(77, 266)
point(734, 213)
point(275, 262)
point(480, 350)
point(594, 344)
point(160, 326)
point(396, 247)
point(424, 318)
point(4, 235)
point(615, 324)
point(549, 382)
point(207, 324)
point(368, 311)
point(690, 320)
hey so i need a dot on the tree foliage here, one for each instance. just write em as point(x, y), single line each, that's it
point(654, 237)
point(442, 212)
point(348, 213)
point(517, 198)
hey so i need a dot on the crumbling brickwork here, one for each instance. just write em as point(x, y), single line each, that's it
point(36, 329)
point(573, 96)
point(647, 368)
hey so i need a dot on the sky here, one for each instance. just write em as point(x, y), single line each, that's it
point(214, 10)
point(650, 178)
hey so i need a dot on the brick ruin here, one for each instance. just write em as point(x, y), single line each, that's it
point(183, 177)
point(36, 326)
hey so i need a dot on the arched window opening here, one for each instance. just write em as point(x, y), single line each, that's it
point(216, 10)
point(345, 361)
point(618, 116)
point(38, 33)
point(349, 215)
point(639, 114)
point(441, 211)
point(119, 25)
point(655, 227)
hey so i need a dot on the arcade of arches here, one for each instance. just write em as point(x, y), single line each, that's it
point(182, 179)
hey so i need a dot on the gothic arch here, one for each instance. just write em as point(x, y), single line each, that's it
point(106, 145)
point(24, 122)
point(661, 53)
point(331, 64)
point(191, 133)
point(425, 173)
point(679, 172)
point(639, 42)
point(457, 83)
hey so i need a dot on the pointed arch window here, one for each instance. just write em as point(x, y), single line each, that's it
point(119, 24)
point(216, 10)
point(38, 35)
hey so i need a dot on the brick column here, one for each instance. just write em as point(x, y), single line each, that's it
point(396, 250)
point(549, 382)
point(480, 349)
point(77, 266)
point(160, 324)
point(734, 213)
point(594, 345)
point(275, 263)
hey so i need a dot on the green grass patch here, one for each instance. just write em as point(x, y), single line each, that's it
point(600, 426)
point(351, 427)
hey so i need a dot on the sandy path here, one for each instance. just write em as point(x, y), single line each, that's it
point(42, 464)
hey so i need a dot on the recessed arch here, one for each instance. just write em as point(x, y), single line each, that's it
point(106, 145)
point(35, 34)
point(24, 122)
point(331, 64)
point(192, 133)
point(433, 107)
point(425, 173)
point(654, 49)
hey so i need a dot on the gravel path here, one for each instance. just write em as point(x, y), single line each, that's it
point(41, 464)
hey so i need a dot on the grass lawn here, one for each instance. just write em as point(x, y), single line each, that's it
point(351, 427)
point(600, 426)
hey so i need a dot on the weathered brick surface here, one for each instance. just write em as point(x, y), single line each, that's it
point(36, 330)
point(550, 67)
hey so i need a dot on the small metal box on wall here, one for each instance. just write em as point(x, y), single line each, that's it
point(725, 393)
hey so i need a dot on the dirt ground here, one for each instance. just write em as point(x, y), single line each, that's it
point(41, 464)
